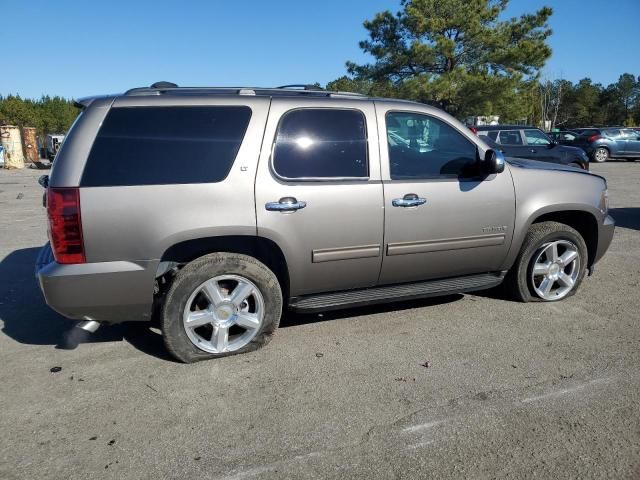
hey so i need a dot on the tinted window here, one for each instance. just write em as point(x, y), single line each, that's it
point(493, 135)
point(510, 137)
point(568, 136)
point(165, 145)
point(421, 146)
point(588, 132)
point(536, 137)
point(321, 143)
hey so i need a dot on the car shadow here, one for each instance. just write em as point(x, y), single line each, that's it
point(626, 217)
point(292, 319)
point(27, 319)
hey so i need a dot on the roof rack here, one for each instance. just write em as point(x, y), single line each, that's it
point(168, 88)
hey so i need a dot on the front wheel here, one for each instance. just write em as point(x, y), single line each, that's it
point(601, 155)
point(551, 264)
point(219, 305)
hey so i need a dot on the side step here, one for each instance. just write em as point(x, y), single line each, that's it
point(394, 293)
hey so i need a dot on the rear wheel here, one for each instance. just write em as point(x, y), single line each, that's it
point(219, 305)
point(601, 154)
point(551, 264)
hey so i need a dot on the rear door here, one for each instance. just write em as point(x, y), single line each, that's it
point(632, 142)
point(616, 142)
point(442, 218)
point(513, 143)
point(318, 192)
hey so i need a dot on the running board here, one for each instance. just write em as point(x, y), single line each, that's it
point(394, 293)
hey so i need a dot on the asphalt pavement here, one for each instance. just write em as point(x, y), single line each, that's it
point(465, 386)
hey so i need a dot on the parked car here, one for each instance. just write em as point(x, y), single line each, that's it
point(217, 208)
point(602, 144)
point(533, 143)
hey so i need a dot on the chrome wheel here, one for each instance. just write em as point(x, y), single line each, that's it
point(224, 314)
point(601, 154)
point(555, 270)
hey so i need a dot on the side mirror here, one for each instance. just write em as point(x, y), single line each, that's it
point(44, 181)
point(494, 161)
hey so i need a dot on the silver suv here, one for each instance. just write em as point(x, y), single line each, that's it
point(218, 207)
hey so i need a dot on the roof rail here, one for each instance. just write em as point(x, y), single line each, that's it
point(302, 86)
point(168, 88)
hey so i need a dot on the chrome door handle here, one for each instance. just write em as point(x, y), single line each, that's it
point(532, 150)
point(409, 200)
point(285, 204)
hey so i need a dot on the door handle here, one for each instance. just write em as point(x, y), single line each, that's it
point(409, 200)
point(285, 204)
point(532, 150)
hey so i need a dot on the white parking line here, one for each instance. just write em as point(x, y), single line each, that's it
point(423, 426)
point(565, 391)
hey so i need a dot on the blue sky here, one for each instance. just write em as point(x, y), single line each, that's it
point(77, 48)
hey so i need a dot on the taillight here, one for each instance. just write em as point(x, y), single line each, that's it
point(593, 138)
point(474, 130)
point(65, 225)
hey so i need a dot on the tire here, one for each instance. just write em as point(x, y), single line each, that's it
point(193, 286)
point(600, 155)
point(520, 282)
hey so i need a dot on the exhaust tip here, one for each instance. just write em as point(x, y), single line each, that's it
point(88, 325)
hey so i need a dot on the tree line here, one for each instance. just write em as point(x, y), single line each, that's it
point(460, 55)
point(47, 114)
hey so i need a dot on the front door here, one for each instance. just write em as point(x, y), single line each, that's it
point(540, 146)
point(318, 192)
point(442, 218)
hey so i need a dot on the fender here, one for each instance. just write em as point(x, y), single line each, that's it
point(541, 193)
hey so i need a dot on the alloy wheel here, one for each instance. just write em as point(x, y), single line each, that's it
point(224, 314)
point(601, 155)
point(555, 270)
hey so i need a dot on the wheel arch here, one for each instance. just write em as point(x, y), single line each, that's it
point(584, 222)
point(263, 249)
point(606, 147)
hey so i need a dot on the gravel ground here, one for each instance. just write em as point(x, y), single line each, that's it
point(466, 386)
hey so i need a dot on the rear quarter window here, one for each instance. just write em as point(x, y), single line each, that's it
point(166, 145)
point(510, 137)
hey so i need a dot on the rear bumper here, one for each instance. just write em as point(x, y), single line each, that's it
point(109, 292)
point(605, 235)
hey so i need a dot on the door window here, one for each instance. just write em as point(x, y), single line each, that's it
point(492, 134)
point(421, 146)
point(536, 137)
point(615, 134)
point(510, 137)
point(321, 143)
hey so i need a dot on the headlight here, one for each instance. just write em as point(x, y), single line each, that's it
point(604, 201)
